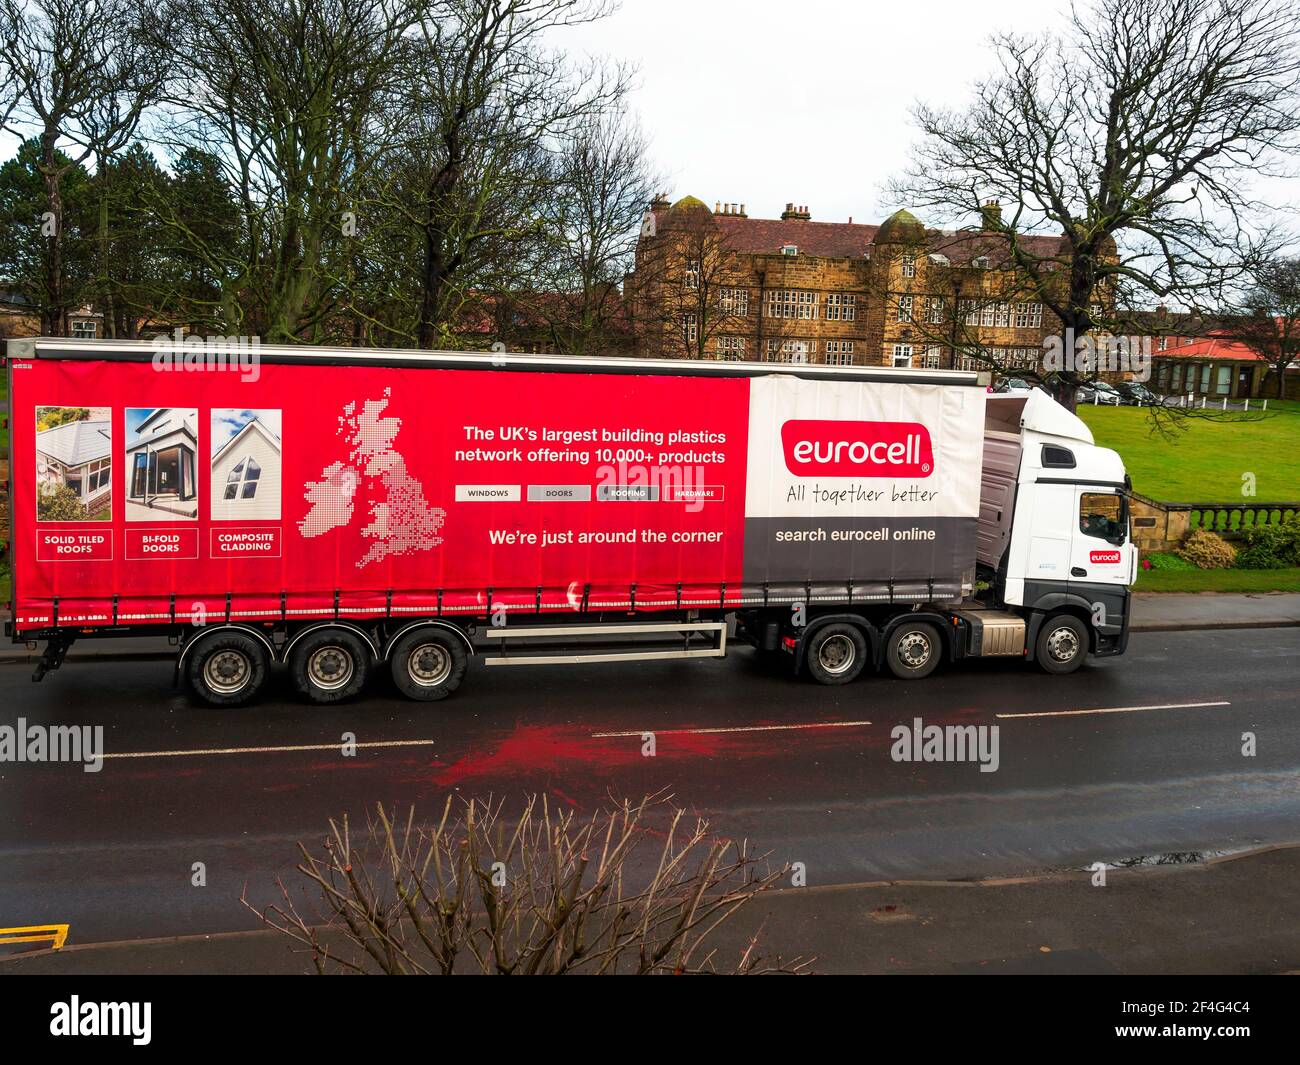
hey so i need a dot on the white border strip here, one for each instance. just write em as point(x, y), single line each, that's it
point(740, 728)
point(269, 750)
point(1115, 710)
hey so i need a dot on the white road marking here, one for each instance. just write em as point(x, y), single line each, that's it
point(1115, 710)
point(267, 750)
point(739, 728)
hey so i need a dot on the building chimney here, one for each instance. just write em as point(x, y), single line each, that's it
point(660, 202)
point(798, 214)
point(992, 215)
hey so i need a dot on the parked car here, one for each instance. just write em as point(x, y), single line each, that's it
point(1017, 385)
point(1134, 394)
point(1098, 392)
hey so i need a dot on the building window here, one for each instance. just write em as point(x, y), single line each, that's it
point(932, 358)
point(734, 301)
point(731, 349)
point(790, 350)
point(84, 330)
point(690, 331)
point(789, 249)
point(1178, 378)
point(841, 307)
point(839, 353)
point(1162, 343)
point(1205, 377)
point(1225, 380)
point(791, 303)
point(691, 277)
point(969, 362)
point(903, 312)
point(980, 263)
point(903, 356)
point(909, 265)
point(934, 309)
point(1029, 315)
point(969, 311)
point(100, 474)
point(243, 479)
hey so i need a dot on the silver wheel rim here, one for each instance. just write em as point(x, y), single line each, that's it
point(1063, 644)
point(330, 668)
point(228, 671)
point(914, 649)
point(836, 654)
point(428, 665)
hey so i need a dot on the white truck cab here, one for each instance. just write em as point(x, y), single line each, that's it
point(1054, 528)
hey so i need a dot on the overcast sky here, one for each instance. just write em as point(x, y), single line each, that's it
point(763, 103)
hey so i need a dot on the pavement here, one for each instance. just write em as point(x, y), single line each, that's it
point(1227, 915)
point(1171, 611)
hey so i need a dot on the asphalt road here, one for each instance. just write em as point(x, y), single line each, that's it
point(111, 852)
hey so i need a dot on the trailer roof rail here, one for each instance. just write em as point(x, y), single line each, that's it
point(142, 350)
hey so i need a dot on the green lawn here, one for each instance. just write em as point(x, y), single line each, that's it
point(1218, 580)
point(1204, 462)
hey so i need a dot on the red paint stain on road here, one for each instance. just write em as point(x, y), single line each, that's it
point(545, 749)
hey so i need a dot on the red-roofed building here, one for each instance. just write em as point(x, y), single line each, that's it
point(721, 285)
point(1214, 367)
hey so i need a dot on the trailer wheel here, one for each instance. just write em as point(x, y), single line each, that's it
point(226, 668)
point(836, 654)
point(329, 665)
point(428, 664)
point(913, 650)
point(1062, 644)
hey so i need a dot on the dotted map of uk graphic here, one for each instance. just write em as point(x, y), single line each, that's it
point(402, 523)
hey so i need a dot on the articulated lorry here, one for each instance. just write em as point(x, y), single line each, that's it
point(349, 511)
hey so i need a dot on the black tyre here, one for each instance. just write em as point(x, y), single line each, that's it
point(1062, 644)
point(330, 665)
point(913, 650)
point(835, 653)
point(428, 664)
point(226, 668)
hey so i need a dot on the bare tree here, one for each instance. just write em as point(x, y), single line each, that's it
point(589, 234)
point(1268, 318)
point(487, 96)
point(1134, 137)
point(690, 286)
point(81, 76)
point(548, 892)
point(289, 96)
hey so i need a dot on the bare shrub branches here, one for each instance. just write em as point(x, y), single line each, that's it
point(545, 892)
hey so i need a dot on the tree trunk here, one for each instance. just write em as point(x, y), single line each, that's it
point(435, 277)
point(54, 314)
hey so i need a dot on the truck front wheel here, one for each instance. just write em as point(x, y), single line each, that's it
point(1062, 644)
point(428, 664)
point(913, 650)
point(329, 665)
point(226, 668)
point(836, 654)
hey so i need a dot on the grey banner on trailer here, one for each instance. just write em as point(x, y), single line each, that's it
point(784, 550)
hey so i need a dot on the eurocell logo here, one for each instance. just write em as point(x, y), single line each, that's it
point(1103, 557)
point(857, 449)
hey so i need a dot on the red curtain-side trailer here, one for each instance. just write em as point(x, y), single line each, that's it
point(339, 508)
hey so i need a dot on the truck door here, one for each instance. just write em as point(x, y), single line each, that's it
point(1100, 551)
